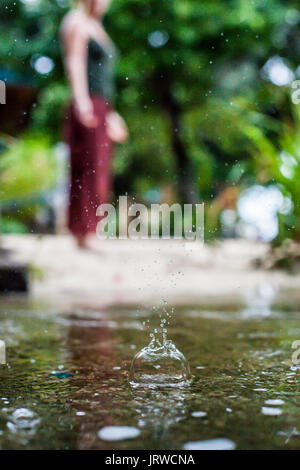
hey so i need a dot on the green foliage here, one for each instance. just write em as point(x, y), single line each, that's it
point(49, 114)
point(28, 166)
point(8, 225)
point(281, 164)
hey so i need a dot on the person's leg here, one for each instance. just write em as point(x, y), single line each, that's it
point(104, 151)
point(90, 173)
point(82, 148)
point(97, 180)
point(81, 241)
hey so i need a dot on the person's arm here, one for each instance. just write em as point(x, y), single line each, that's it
point(75, 49)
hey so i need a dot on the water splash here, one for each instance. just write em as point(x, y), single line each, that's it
point(161, 362)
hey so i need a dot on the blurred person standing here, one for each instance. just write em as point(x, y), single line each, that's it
point(92, 124)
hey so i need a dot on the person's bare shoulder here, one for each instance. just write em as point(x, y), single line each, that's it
point(72, 24)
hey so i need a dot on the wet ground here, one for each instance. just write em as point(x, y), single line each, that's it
point(67, 379)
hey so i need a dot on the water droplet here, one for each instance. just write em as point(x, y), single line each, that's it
point(275, 402)
point(212, 444)
point(199, 414)
point(118, 433)
point(271, 411)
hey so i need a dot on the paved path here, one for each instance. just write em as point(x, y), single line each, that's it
point(135, 272)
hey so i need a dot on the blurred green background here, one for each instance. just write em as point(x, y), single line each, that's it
point(205, 87)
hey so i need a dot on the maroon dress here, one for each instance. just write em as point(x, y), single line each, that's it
point(91, 148)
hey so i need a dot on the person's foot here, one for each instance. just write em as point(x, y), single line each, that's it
point(81, 242)
point(95, 245)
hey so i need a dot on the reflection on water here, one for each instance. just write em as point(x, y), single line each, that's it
point(159, 409)
point(259, 300)
point(67, 381)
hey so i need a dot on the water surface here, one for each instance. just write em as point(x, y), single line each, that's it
point(68, 378)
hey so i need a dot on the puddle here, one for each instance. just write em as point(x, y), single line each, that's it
point(67, 384)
